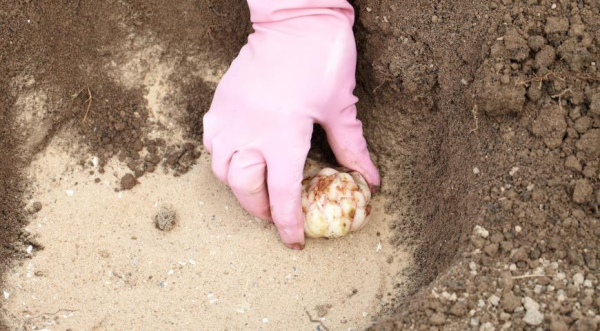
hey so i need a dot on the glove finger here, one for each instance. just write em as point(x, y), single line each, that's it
point(247, 179)
point(209, 129)
point(285, 174)
point(221, 158)
point(345, 136)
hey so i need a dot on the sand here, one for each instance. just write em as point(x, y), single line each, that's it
point(105, 266)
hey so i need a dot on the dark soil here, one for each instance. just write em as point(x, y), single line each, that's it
point(481, 113)
point(492, 110)
point(11, 190)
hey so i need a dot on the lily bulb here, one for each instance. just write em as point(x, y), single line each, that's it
point(335, 203)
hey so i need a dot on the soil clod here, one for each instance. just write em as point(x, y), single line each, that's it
point(128, 182)
point(165, 219)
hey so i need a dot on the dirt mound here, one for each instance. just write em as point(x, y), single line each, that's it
point(414, 73)
point(513, 141)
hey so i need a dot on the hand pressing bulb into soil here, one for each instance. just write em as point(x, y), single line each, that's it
point(335, 203)
point(297, 69)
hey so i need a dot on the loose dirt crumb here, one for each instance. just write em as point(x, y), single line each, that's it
point(34, 207)
point(128, 182)
point(165, 219)
point(322, 310)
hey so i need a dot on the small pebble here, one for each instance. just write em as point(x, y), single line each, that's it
point(533, 317)
point(494, 300)
point(530, 304)
point(479, 230)
point(474, 322)
point(6, 295)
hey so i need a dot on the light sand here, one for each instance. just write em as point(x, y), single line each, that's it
point(106, 267)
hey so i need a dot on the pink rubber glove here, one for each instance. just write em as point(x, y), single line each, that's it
point(298, 68)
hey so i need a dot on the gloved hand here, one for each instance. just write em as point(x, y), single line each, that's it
point(298, 68)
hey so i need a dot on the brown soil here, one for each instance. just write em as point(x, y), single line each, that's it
point(11, 189)
point(488, 113)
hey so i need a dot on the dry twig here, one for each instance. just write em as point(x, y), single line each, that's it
point(58, 311)
point(527, 276)
point(559, 96)
point(315, 321)
point(89, 101)
point(474, 111)
point(553, 75)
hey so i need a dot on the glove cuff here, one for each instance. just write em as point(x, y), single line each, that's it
point(265, 11)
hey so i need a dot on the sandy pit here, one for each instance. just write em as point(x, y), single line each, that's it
point(105, 266)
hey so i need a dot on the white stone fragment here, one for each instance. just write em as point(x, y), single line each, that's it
point(472, 265)
point(481, 231)
point(494, 300)
point(578, 279)
point(530, 304)
point(533, 317)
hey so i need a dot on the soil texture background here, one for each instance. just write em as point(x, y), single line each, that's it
point(484, 118)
